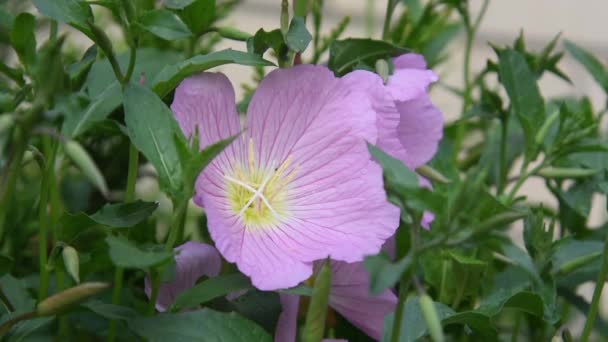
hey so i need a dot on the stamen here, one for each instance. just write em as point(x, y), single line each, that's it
point(238, 182)
point(258, 193)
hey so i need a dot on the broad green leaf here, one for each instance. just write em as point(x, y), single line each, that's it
point(16, 290)
point(200, 160)
point(152, 128)
point(198, 15)
point(23, 38)
point(383, 273)
point(164, 24)
point(466, 260)
point(6, 263)
point(398, 178)
point(73, 12)
point(576, 258)
point(150, 62)
point(345, 54)
point(319, 303)
point(109, 311)
point(199, 325)
point(124, 214)
point(210, 289)
point(526, 100)
point(590, 62)
point(172, 75)
point(297, 37)
point(124, 254)
point(413, 325)
point(177, 4)
point(87, 165)
point(300, 290)
point(261, 307)
point(264, 40)
point(79, 70)
point(98, 110)
point(25, 330)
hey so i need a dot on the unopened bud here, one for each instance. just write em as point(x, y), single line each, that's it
point(382, 69)
point(429, 312)
point(71, 262)
point(544, 129)
point(432, 174)
point(566, 172)
point(87, 165)
point(63, 300)
point(284, 17)
point(232, 33)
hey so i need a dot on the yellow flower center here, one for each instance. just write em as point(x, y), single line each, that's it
point(258, 195)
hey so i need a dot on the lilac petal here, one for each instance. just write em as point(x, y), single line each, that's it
point(409, 61)
point(205, 103)
point(384, 106)
point(420, 130)
point(351, 298)
point(408, 84)
point(288, 319)
point(335, 202)
point(193, 261)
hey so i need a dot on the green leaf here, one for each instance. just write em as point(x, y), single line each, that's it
point(210, 289)
point(319, 302)
point(199, 160)
point(73, 12)
point(383, 273)
point(198, 15)
point(262, 41)
point(526, 100)
point(298, 37)
point(151, 127)
point(172, 75)
point(200, 325)
point(79, 70)
point(98, 110)
point(23, 38)
point(398, 178)
point(109, 311)
point(263, 308)
point(164, 24)
point(6, 263)
point(465, 260)
point(576, 256)
point(124, 214)
point(124, 254)
point(87, 165)
point(177, 4)
point(345, 54)
point(590, 62)
point(413, 324)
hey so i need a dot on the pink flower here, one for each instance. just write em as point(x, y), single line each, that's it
point(193, 260)
point(299, 184)
point(349, 296)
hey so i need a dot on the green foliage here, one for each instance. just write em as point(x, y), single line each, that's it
point(90, 151)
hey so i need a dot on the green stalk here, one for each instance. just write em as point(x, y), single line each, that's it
point(129, 197)
point(44, 223)
point(502, 169)
point(400, 311)
point(177, 227)
point(597, 294)
point(154, 296)
point(390, 8)
point(11, 175)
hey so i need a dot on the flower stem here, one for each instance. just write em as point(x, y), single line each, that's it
point(177, 228)
point(44, 223)
point(502, 169)
point(400, 312)
point(154, 296)
point(597, 294)
point(390, 8)
point(129, 197)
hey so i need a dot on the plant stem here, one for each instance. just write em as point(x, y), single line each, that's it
point(154, 296)
point(6, 326)
point(390, 8)
point(400, 311)
point(597, 294)
point(132, 56)
point(502, 169)
point(43, 223)
point(129, 197)
point(179, 217)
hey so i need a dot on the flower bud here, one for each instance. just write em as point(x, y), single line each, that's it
point(566, 172)
point(429, 312)
point(63, 300)
point(85, 163)
point(544, 129)
point(71, 262)
point(232, 33)
point(382, 70)
point(432, 174)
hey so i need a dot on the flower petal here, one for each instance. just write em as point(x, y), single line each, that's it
point(409, 61)
point(351, 298)
point(193, 261)
point(205, 103)
point(288, 319)
point(408, 84)
point(420, 130)
point(387, 115)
